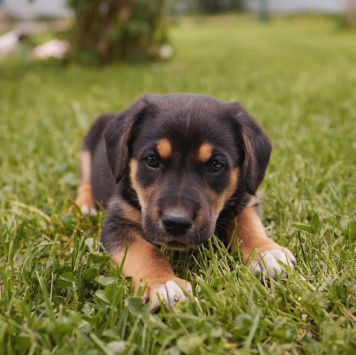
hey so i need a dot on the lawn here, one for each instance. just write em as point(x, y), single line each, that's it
point(60, 293)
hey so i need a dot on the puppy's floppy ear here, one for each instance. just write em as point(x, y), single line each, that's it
point(257, 149)
point(117, 137)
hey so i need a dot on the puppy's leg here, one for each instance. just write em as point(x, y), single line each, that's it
point(85, 197)
point(147, 265)
point(253, 241)
point(91, 142)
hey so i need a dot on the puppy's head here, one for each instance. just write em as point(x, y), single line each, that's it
point(186, 156)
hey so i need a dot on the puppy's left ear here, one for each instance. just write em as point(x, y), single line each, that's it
point(118, 134)
point(256, 146)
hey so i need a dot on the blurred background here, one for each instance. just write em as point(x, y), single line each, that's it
point(105, 31)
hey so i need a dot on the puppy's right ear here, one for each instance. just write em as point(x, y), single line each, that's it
point(256, 147)
point(117, 137)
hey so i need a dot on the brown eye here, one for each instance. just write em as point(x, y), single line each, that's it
point(152, 161)
point(215, 166)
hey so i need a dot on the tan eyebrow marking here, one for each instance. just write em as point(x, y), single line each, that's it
point(205, 152)
point(164, 148)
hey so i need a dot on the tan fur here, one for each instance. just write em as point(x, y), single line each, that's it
point(250, 234)
point(131, 213)
point(205, 152)
point(164, 148)
point(145, 263)
point(218, 201)
point(85, 196)
point(85, 192)
point(85, 166)
point(253, 201)
point(143, 195)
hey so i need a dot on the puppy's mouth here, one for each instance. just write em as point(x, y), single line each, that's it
point(175, 245)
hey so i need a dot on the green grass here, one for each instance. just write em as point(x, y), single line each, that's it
point(59, 293)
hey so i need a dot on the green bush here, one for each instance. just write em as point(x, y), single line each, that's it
point(115, 30)
point(214, 6)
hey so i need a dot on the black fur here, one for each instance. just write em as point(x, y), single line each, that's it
point(95, 132)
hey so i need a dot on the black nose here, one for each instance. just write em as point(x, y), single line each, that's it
point(176, 223)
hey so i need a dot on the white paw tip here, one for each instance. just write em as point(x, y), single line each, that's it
point(169, 294)
point(88, 211)
point(270, 266)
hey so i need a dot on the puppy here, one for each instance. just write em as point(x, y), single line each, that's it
point(171, 171)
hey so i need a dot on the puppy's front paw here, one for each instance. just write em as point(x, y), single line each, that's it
point(267, 264)
point(88, 211)
point(169, 293)
point(85, 199)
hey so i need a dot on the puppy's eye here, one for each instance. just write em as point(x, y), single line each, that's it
point(215, 166)
point(152, 161)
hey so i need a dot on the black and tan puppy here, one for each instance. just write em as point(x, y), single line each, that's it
point(172, 170)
